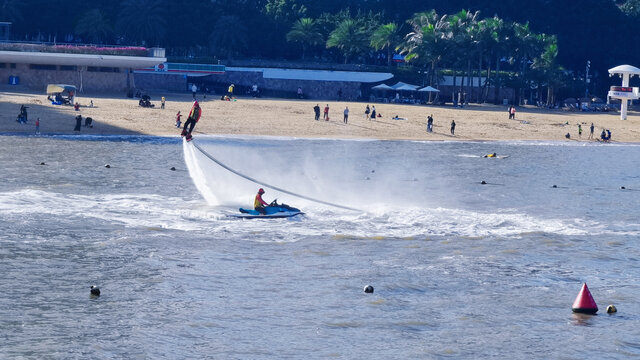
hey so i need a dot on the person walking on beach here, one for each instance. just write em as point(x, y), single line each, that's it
point(453, 128)
point(373, 112)
point(178, 122)
point(194, 88)
point(430, 123)
point(300, 96)
point(326, 113)
point(366, 112)
point(512, 112)
point(591, 128)
point(346, 114)
point(162, 100)
point(230, 91)
point(37, 126)
point(579, 131)
point(192, 119)
point(316, 110)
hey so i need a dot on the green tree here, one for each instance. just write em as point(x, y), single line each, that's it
point(350, 38)
point(547, 65)
point(306, 32)
point(142, 21)
point(388, 37)
point(631, 8)
point(229, 37)
point(428, 42)
point(94, 26)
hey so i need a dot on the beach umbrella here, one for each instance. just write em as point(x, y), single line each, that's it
point(382, 87)
point(404, 86)
point(429, 89)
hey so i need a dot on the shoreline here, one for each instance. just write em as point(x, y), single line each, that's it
point(114, 115)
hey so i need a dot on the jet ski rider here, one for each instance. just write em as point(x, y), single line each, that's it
point(259, 204)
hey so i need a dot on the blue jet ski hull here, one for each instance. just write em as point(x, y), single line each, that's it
point(272, 212)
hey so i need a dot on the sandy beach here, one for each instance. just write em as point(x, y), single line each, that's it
point(116, 114)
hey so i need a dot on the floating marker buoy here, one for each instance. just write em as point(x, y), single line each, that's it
point(107, 166)
point(42, 163)
point(584, 303)
point(622, 187)
point(373, 171)
point(611, 309)
point(95, 291)
point(483, 182)
point(368, 289)
point(173, 168)
point(554, 186)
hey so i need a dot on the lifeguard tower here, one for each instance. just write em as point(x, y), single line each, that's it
point(624, 92)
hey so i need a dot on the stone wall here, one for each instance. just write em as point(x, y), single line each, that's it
point(312, 89)
point(166, 82)
point(37, 79)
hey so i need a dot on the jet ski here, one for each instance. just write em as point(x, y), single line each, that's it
point(273, 211)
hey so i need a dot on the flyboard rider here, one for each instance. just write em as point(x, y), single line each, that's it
point(192, 119)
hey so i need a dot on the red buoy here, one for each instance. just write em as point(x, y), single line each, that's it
point(584, 303)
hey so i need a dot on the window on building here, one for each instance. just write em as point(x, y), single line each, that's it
point(13, 65)
point(68, 68)
point(3, 65)
point(42, 67)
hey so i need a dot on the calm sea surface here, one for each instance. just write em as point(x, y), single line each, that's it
point(460, 269)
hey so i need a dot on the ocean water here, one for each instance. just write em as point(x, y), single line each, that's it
point(460, 270)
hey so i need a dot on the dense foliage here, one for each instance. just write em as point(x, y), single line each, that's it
point(522, 43)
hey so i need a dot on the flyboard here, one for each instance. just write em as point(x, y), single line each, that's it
point(274, 210)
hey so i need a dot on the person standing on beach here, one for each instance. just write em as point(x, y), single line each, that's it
point(178, 122)
point(366, 112)
point(579, 131)
point(192, 119)
point(162, 100)
point(453, 128)
point(346, 114)
point(430, 123)
point(373, 112)
point(78, 123)
point(37, 126)
point(326, 113)
point(512, 112)
point(300, 96)
point(194, 88)
point(316, 110)
point(230, 91)
point(591, 128)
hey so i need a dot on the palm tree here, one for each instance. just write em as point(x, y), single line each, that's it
point(229, 36)
point(142, 21)
point(388, 37)
point(349, 37)
point(94, 26)
point(428, 42)
point(462, 25)
point(547, 64)
point(306, 32)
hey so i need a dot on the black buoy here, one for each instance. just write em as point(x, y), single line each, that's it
point(173, 168)
point(373, 171)
point(483, 182)
point(622, 187)
point(368, 289)
point(95, 291)
point(554, 186)
point(42, 163)
point(108, 166)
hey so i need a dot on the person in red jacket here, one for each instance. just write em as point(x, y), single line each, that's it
point(194, 116)
point(259, 204)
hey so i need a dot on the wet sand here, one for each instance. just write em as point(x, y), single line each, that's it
point(115, 114)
